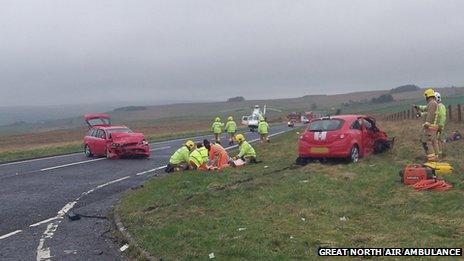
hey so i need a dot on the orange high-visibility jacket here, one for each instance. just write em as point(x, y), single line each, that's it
point(218, 154)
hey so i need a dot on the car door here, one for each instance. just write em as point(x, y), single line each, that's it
point(89, 139)
point(356, 132)
point(100, 142)
point(368, 137)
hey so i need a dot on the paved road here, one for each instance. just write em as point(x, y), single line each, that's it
point(36, 195)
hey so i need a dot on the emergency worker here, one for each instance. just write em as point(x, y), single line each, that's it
point(246, 152)
point(430, 127)
point(218, 157)
point(216, 128)
point(231, 129)
point(263, 129)
point(180, 159)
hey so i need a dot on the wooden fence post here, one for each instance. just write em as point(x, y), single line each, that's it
point(450, 112)
point(459, 113)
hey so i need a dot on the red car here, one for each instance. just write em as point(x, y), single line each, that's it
point(342, 136)
point(104, 139)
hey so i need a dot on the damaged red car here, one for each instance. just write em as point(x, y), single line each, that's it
point(112, 141)
point(342, 136)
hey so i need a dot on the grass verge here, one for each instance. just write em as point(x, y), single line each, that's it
point(276, 210)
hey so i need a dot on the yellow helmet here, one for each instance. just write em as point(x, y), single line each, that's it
point(230, 118)
point(190, 144)
point(217, 119)
point(239, 138)
point(429, 93)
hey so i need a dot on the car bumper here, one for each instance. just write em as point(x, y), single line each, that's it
point(132, 151)
point(336, 150)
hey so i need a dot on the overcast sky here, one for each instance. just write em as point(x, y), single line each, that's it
point(58, 52)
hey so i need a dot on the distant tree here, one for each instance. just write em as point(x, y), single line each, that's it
point(236, 99)
point(405, 88)
point(384, 98)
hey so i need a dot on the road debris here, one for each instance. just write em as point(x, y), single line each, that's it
point(124, 248)
point(343, 219)
point(211, 255)
point(304, 181)
point(241, 228)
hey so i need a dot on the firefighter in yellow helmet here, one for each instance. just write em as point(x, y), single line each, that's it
point(231, 128)
point(263, 129)
point(246, 152)
point(180, 159)
point(441, 120)
point(430, 127)
point(216, 128)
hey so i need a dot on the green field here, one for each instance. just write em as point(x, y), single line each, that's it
point(276, 210)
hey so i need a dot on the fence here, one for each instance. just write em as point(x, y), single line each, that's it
point(453, 113)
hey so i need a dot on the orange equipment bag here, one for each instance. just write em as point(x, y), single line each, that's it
point(414, 173)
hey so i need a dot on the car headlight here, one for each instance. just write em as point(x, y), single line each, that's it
point(115, 145)
point(143, 142)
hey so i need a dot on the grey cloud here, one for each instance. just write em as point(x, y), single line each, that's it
point(56, 52)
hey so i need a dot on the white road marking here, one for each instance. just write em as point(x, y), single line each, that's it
point(71, 164)
point(43, 252)
point(32, 160)
point(150, 170)
point(43, 222)
point(10, 234)
point(161, 148)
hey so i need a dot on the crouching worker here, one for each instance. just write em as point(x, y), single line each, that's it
point(246, 152)
point(218, 157)
point(198, 158)
point(180, 159)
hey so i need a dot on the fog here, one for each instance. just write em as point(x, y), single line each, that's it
point(86, 51)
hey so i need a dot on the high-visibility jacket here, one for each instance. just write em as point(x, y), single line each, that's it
point(231, 127)
point(196, 157)
point(246, 150)
point(263, 127)
point(180, 156)
point(441, 115)
point(217, 127)
point(219, 155)
point(204, 154)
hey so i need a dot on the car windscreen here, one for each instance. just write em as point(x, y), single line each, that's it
point(99, 121)
point(118, 130)
point(325, 125)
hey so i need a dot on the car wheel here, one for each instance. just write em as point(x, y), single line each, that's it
point(354, 154)
point(87, 151)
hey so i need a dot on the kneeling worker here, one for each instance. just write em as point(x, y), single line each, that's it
point(246, 152)
point(218, 157)
point(198, 159)
point(180, 159)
